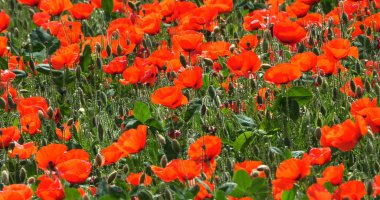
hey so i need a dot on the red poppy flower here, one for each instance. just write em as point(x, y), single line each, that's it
point(248, 42)
point(178, 169)
point(249, 166)
point(160, 57)
point(310, 2)
point(318, 192)
point(213, 50)
point(29, 2)
point(311, 19)
point(344, 136)
point(116, 66)
point(8, 135)
point(244, 64)
point(112, 154)
point(373, 21)
point(4, 21)
point(254, 21)
point(22, 189)
point(339, 49)
point(291, 170)
point(188, 40)
point(170, 97)
point(10, 92)
point(346, 89)
point(10, 194)
point(30, 123)
point(81, 10)
point(55, 7)
point(64, 132)
point(32, 105)
point(376, 186)
point(372, 118)
point(65, 57)
point(223, 6)
point(190, 78)
point(16, 62)
point(24, 151)
point(332, 174)
point(297, 9)
point(282, 73)
point(133, 140)
point(350, 190)
point(151, 23)
point(306, 61)
point(288, 32)
point(320, 156)
point(134, 179)
point(205, 148)
point(74, 171)
point(70, 33)
point(326, 65)
point(50, 188)
point(359, 106)
point(3, 46)
point(41, 18)
point(203, 192)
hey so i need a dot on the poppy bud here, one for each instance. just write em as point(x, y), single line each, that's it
point(78, 71)
point(100, 132)
point(40, 115)
point(103, 98)
point(352, 85)
point(345, 18)
point(119, 50)
point(359, 92)
point(161, 139)
point(176, 146)
point(168, 194)
point(142, 179)
point(99, 63)
point(367, 85)
point(95, 121)
point(301, 48)
point(203, 110)
point(232, 47)
point(216, 29)
point(2, 103)
point(231, 87)
point(318, 133)
point(368, 32)
point(319, 80)
point(211, 92)
point(335, 94)
point(98, 160)
point(163, 161)
point(22, 174)
point(255, 173)
point(111, 177)
point(86, 197)
point(330, 23)
point(230, 164)
point(70, 122)
point(31, 181)
point(98, 48)
point(5, 177)
point(182, 59)
point(259, 100)
point(319, 122)
point(265, 45)
point(208, 62)
point(264, 168)
point(325, 85)
point(126, 169)
point(323, 110)
point(11, 103)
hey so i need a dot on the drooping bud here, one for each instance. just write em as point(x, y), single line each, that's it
point(111, 177)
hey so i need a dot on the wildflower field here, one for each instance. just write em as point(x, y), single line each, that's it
point(192, 99)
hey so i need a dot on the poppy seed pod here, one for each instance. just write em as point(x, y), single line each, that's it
point(111, 177)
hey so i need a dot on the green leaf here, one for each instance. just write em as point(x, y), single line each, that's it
point(71, 194)
point(220, 195)
point(47, 70)
point(153, 123)
point(246, 122)
point(289, 194)
point(141, 111)
point(299, 94)
point(20, 73)
point(242, 140)
point(40, 40)
point(107, 6)
point(287, 105)
point(85, 59)
point(3, 64)
point(145, 194)
point(227, 188)
point(194, 106)
point(329, 187)
point(242, 179)
point(259, 187)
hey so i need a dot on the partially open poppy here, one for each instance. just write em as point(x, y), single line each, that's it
point(297, 9)
point(244, 64)
point(116, 66)
point(332, 174)
point(205, 148)
point(55, 7)
point(339, 49)
point(190, 78)
point(344, 136)
point(188, 40)
point(81, 10)
point(65, 57)
point(151, 23)
point(248, 42)
point(182, 170)
point(3, 46)
point(170, 97)
point(288, 32)
point(134, 179)
point(8, 135)
point(32, 105)
point(50, 188)
point(282, 73)
point(306, 61)
point(320, 156)
point(22, 189)
point(359, 106)
point(318, 192)
point(133, 140)
point(74, 171)
point(4, 21)
point(213, 50)
point(31, 123)
point(23, 151)
point(112, 154)
point(350, 190)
